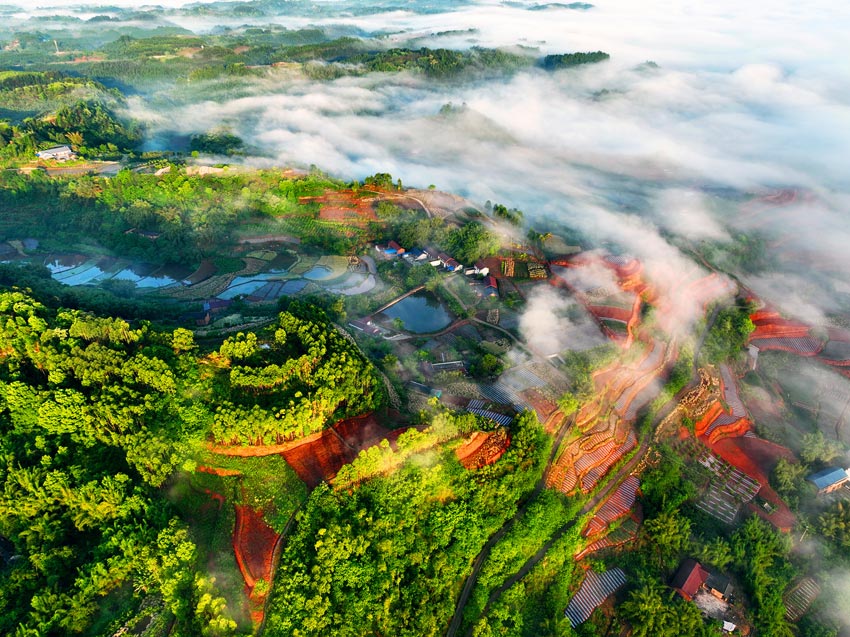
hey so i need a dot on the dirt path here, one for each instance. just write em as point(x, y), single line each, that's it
point(482, 556)
point(450, 328)
point(271, 238)
point(390, 195)
point(277, 551)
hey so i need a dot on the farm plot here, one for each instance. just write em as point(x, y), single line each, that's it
point(803, 345)
point(616, 506)
point(800, 598)
point(595, 588)
point(624, 533)
point(483, 448)
point(728, 489)
point(344, 206)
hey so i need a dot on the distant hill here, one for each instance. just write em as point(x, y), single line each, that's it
point(25, 94)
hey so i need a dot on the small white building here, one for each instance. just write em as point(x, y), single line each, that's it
point(478, 268)
point(57, 153)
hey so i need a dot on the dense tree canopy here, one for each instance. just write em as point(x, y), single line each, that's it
point(91, 423)
point(387, 557)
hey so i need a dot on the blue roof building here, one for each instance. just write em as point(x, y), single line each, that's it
point(829, 479)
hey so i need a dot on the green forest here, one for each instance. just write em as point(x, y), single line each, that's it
point(98, 415)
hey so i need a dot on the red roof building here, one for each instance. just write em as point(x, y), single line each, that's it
point(689, 578)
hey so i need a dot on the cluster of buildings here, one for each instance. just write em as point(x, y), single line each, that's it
point(210, 309)
point(711, 592)
point(439, 259)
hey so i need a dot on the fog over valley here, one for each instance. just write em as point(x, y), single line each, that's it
point(700, 107)
point(425, 317)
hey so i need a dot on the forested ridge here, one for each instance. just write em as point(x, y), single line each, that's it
point(97, 415)
point(40, 109)
point(388, 557)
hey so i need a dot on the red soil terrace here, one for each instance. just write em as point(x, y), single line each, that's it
point(344, 206)
point(628, 273)
point(773, 332)
point(757, 458)
point(619, 503)
point(483, 448)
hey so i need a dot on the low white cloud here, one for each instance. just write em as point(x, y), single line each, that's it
point(546, 323)
point(743, 99)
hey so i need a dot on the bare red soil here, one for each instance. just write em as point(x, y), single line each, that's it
point(483, 448)
point(322, 457)
point(253, 545)
point(319, 456)
point(217, 471)
point(754, 456)
point(344, 206)
point(770, 324)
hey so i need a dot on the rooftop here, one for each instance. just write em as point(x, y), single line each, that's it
point(828, 477)
point(688, 579)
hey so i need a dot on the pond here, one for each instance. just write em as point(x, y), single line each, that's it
point(318, 273)
point(421, 313)
point(77, 269)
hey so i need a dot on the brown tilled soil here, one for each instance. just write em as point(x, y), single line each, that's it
point(483, 448)
point(253, 545)
point(539, 403)
point(344, 206)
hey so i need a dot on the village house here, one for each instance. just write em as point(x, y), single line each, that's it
point(57, 153)
point(392, 249)
point(689, 579)
point(719, 585)
point(491, 286)
point(692, 577)
point(829, 479)
point(478, 268)
point(452, 266)
point(366, 326)
point(433, 257)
